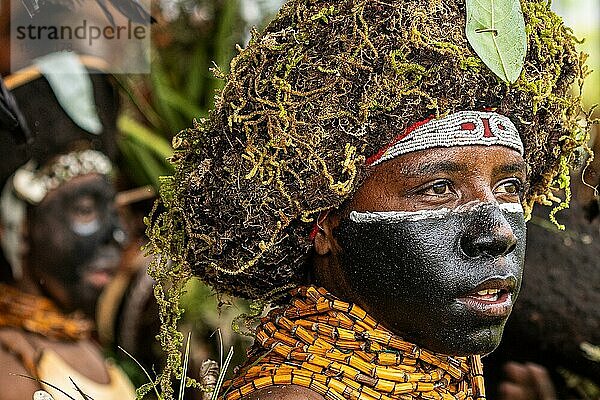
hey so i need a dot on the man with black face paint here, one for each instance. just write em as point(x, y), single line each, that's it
point(431, 246)
point(368, 173)
point(69, 250)
point(62, 238)
point(453, 267)
point(440, 219)
point(74, 234)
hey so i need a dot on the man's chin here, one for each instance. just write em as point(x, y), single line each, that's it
point(482, 341)
point(87, 297)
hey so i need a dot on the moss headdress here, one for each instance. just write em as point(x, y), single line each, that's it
point(326, 85)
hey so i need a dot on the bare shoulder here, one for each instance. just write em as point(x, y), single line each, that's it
point(83, 356)
point(14, 387)
point(284, 392)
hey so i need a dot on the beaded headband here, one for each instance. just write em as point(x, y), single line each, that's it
point(33, 185)
point(463, 128)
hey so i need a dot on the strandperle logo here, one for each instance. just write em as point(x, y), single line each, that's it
point(121, 41)
point(85, 31)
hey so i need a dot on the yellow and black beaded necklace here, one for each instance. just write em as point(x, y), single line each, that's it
point(339, 351)
point(39, 315)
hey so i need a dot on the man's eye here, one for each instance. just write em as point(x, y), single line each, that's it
point(438, 188)
point(84, 210)
point(512, 187)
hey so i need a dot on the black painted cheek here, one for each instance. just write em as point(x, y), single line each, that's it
point(409, 274)
point(57, 249)
point(59, 253)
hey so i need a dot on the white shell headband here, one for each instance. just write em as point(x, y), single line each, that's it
point(33, 185)
point(463, 128)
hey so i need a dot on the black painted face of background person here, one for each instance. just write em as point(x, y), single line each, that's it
point(443, 279)
point(74, 236)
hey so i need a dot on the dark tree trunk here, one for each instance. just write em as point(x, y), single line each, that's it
point(559, 306)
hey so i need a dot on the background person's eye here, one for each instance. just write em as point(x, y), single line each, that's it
point(84, 210)
point(510, 187)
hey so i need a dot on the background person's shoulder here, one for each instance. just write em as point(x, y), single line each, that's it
point(13, 386)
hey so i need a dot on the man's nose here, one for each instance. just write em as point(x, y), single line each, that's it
point(115, 232)
point(488, 234)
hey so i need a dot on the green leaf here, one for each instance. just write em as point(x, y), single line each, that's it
point(198, 73)
point(73, 88)
point(496, 31)
point(144, 136)
point(178, 102)
point(144, 151)
point(160, 85)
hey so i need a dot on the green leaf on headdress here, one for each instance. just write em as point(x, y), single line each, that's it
point(72, 86)
point(496, 31)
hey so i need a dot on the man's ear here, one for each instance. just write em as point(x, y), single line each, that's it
point(325, 243)
point(327, 271)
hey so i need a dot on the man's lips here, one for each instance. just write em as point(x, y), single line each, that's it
point(492, 298)
point(101, 271)
point(99, 278)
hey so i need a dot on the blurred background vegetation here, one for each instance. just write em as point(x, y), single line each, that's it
point(583, 16)
point(190, 39)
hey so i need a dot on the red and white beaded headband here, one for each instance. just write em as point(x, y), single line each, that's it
point(463, 128)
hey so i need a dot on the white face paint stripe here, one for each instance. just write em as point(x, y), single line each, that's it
point(512, 207)
point(399, 216)
point(86, 228)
